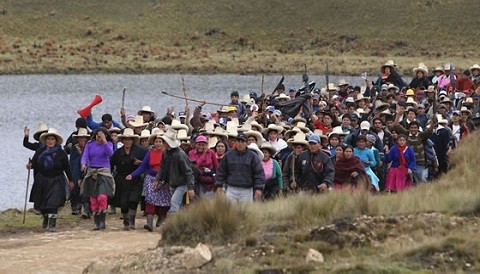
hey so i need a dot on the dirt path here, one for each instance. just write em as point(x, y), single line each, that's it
point(72, 248)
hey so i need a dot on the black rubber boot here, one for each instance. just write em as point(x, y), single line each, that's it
point(132, 214)
point(87, 213)
point(102, 220)
point(126, 223)
point(149, 225)
point(52, 222)
point(96, 220)
point(44, 221)
point(159, 221)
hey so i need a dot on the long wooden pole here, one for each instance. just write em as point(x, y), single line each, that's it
point(191, 99)
point(185, 93)
point(26, 190)
point(123, 96)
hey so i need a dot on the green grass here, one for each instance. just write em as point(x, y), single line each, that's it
point(357, 232)
point(251, 36)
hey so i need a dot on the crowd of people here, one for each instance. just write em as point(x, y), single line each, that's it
point(384, 137)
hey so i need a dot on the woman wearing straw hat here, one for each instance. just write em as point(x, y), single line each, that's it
point(420, 79)
point(389, 75)
point(98, 182)
point(206, 161)
point(124, 161)
point(299, 144)
point(42, 128)
point(79, 139)
point(157, 197)
point(51, 163)
point(273, 173)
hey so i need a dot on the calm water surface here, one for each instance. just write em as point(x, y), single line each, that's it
point(54, 99)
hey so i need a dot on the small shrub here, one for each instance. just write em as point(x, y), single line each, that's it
point(216, 220)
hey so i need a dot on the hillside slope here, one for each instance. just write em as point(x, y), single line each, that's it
point(233, 36)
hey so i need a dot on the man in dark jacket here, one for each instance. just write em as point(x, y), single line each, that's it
point(241, 173)
point(175, 170)
point(313, 168)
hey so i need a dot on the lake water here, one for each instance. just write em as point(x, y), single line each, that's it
point(54, 99)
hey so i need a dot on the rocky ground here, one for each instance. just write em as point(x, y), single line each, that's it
point(416, 242)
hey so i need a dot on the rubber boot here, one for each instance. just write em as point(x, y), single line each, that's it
point(96, 220)
point(45, 221)
point(159, 221)
point(87, 212)
point(52, 222)
point(149, 225)
point(132, 214)
point(126, 223)
point(102, 223)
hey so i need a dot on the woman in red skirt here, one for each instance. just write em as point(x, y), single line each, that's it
point(402, 158)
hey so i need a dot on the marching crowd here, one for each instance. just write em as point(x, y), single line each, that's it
point(386, 137)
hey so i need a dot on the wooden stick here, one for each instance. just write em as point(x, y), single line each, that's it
point(263, 81)
point(123, 97)
point(191, 99)
point(26, 191)
point(184, 92)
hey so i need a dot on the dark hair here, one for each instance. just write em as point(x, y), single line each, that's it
point(357, 88)
point(280, 87)
point(411, 110)
point(402, 136)
point(167, 120)
point(361, 137)
point(105, 131)
point(81, 122)
point(376, 119)
point(390, 96)
point(333, 135)
point(402, 103)
point(234, 93)
point(466, 73)
point(346, 115)
point(412, 123)
point(224, 143)
point(344, 147)
point(107, 117)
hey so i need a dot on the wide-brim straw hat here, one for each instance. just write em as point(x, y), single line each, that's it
point(343, 82)
point(170, 137)
point(465, 110)
point(360, 98)
point(332, 87)
point(411, 101)
point(138, 122)
point(267, 146)
point(232, 129)
point(146, 109)
point(218, 131)
point(145, 134)
point(303, 127)
point(212, 141)
point(290, 133)
point(381, 106)
point(41, 128)
point(476, 66)
point(468, 101)
point(283, 96)
point(182, 135)
point(208, 127)
point(300, 138)
point(272, 127)
point(439, 68)
point(82, 132)
point(319, 132)
point(115, 130)
point(446, 101)
point(338, 130)
point(177, 125)
point(51, 132)
point(156, 133)
point(441, 120)
point(256, 126)
point(128, 133)
point(389, 63)
point(386, 112)
point(421, 67)
point(257, 135)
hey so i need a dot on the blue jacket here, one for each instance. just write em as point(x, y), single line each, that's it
point(94, 125)
point(393, 156)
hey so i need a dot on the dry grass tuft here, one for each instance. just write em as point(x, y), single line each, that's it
point(216, 220)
